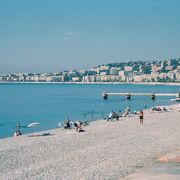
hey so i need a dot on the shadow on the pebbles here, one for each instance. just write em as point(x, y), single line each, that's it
point(82, 130)
point(37, 135)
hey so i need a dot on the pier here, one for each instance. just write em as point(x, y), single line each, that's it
point(129, 95)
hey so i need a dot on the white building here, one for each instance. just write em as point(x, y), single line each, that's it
point(114, 71)
point(122, 75)
point(128, 68)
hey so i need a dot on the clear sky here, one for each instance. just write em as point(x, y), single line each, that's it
point(55, 35)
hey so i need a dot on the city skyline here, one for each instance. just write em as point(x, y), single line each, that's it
point(136, 71)
point(48, 36)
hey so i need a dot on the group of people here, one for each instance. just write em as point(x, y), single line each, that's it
point(159, 109)
point(68, 124)
point(17, 132)
point(113, 115)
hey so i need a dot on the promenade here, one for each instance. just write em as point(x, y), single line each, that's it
point(106, 150)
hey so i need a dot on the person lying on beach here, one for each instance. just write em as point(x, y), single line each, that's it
point(85, 123)
point(156, 109)
point(77, 124)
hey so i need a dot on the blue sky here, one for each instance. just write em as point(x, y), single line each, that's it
point(54, 35)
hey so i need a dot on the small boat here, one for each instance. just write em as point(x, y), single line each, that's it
point(177, 99)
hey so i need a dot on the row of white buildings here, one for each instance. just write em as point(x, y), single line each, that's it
point(165, 71)
point(122, 76)
point(134, 77)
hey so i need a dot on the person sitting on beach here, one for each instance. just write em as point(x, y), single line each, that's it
point(114, 115)
point(77, 124)
point(110, 116)
point(127, 112)
point(128, 109)
point(164, 109)
point(67, 124)
point(17, 133)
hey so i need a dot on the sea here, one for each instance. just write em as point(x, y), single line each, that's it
point(50, 104)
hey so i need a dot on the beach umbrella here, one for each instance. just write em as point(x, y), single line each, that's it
point(33, 125)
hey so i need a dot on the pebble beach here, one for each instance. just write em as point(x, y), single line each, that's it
point(106, 150)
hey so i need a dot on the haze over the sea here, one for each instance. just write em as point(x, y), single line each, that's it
point(49, 36)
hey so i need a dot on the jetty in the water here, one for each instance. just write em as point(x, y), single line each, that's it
point(129, 95)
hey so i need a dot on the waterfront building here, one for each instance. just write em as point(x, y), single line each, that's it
point(169, 68)
point(58, 78)
point(154, 75)
point(114, 71)
point(86, 79)
point(104, 67)
point(76, 79)
point(122, 75)
point(141, 68)
point(103, 73)
point(128, 68)
point(138, 78)
point(177, 76)
point(154, 68)
point(171, 75)
point(163, 75)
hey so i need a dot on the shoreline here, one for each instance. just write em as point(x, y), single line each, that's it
point(170, 107)
point(106, 150)
point(98, 83)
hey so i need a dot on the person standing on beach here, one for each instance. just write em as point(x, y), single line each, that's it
point(141, 116)
point(145, 106)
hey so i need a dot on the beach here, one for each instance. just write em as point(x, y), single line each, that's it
point(106, 150)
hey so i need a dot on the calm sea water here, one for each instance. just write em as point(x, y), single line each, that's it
point(50, 104)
